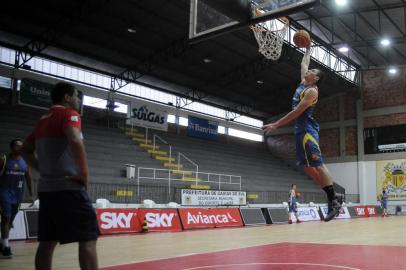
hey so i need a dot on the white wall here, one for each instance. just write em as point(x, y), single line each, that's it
point(367, 172)
point(346, 175)
point(356, 178)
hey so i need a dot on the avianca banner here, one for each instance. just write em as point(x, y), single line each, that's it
point(210, 218)
point(113, 220)
point(160, 219)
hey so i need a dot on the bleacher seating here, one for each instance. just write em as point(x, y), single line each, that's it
point(109, 149)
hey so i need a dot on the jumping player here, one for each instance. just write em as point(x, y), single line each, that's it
point(307, 133)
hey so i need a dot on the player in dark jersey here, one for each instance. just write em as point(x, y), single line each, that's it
point(307, 133)
point(66, 213)
point(14, 172)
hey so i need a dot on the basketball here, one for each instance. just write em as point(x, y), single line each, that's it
point(302, 39)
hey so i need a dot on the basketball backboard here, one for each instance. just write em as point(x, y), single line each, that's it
point(208, 17)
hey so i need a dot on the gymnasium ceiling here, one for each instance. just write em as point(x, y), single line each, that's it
point(94, 34)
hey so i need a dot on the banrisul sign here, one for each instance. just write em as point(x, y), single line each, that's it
point(149, 116)
point(38, 94)
point(202, 128)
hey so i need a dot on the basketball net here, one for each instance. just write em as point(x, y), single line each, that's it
point(270, 36)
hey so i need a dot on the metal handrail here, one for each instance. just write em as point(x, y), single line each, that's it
point(165, 142)
point(193, 163)
point(170, 179)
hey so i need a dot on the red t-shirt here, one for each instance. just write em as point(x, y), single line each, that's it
point(55, 159)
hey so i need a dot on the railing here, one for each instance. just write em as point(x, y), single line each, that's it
point(155, 138)
point(191, 162)
point(165, 174)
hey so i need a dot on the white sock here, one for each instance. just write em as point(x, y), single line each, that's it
point(5, 242)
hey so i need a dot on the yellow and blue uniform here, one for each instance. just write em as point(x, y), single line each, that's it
point(12, 186)
point(384, 200)
point(306, 131)
point(292, 201)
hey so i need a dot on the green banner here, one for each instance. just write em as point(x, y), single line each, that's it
point(38, 94)
point(35, 93)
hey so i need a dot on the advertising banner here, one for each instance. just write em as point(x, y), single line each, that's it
point(31, 223)
point(160, 219)
point(148, 115)
point(278, 215)
point(344, 213)
point(307, 214)
point(365, 210)
point(202, 128)
point(114, 220)
point(391, 175)
point(252, 216)
point(193, 218)
point(193, 197)
point(38, 94)
point(17, 232)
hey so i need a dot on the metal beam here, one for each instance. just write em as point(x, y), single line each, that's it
point(361, 10)
point(132, 74)
point(50, 35)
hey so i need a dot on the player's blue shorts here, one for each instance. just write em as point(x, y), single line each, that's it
point(9, 204)
point(384, 204)
point(307, 149)
point(293, 207)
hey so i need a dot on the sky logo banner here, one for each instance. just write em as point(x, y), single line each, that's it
point(202, 128)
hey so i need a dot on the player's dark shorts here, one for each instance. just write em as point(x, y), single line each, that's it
point(292, 208)
point(384, 204)
point(66, 216)
point(307, 149)
point(8, 205)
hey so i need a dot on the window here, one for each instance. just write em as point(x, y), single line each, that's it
point(94, 102)
point(121, 108)
point(183, 121)
point(245, 135)
point(5, 82)
point(171, 118)
point(221, 130)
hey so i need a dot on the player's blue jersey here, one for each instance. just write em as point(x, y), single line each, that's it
point(12, 181)
point(305, 122)
point(384, 196)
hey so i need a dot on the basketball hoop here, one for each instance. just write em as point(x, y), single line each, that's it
point(270, 35)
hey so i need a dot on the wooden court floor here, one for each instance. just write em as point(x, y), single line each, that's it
point(385, 236)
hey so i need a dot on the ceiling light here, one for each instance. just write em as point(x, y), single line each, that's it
point(393, 70)
point(207, 60)
point(260, 82)
point(341, 2)
point(343, 49)
point(385, 42)
point(132, 30)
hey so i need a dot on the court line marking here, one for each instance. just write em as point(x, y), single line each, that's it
point(248, 264)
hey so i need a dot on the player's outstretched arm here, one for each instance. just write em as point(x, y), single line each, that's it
point(304, 66)
point(310, 96)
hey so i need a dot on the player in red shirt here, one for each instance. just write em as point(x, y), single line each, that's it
point(66, 213)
